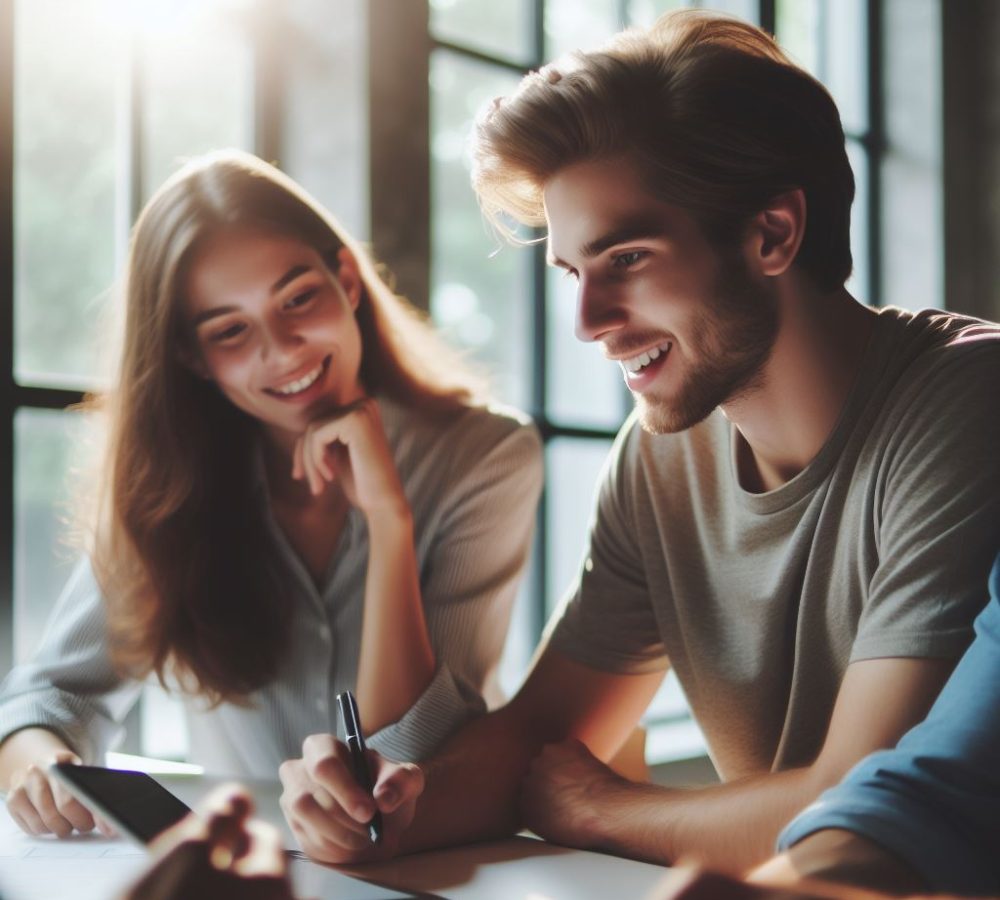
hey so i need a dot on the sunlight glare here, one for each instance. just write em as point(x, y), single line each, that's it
point(169, 19)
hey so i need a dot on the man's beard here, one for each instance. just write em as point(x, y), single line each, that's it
point(730, 342)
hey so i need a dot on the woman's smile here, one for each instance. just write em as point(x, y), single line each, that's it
point(298, 388)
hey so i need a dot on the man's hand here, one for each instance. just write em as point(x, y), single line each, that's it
point(217, 853)
point(568, 796)
point(328, 811)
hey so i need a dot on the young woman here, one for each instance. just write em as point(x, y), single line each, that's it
point(301, 493)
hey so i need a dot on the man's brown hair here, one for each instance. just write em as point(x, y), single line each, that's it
point(717, 118)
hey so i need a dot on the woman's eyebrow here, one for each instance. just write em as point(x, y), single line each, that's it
point(289, 276)
point(207, 314)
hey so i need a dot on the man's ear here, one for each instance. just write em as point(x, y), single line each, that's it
point(776, 232)
point(349, 276)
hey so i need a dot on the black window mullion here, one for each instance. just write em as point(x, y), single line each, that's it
point(480, 56)
point(874, 147)
point(7, 334)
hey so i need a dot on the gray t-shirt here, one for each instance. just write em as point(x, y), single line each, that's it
point(472, 485)
point(881, 547)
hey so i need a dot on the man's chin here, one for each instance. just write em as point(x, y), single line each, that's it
point(660, 415)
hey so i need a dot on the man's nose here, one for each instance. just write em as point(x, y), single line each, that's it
point(598, 310)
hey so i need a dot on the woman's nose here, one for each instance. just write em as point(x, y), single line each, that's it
point(280, 338)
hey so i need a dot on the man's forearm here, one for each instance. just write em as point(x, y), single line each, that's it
point(729, 827)
point(473, 785)
point(836, 855)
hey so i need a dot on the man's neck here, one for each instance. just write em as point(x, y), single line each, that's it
point(805, 384)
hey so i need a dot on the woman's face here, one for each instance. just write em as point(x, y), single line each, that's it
point(274, 328)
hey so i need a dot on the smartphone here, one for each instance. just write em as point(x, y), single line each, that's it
point(134, 803)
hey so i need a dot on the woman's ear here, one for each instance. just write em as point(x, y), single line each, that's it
point(349, 276)
point(776, 233)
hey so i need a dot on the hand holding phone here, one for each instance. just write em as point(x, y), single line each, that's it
point(137, 805)
point(37, 803)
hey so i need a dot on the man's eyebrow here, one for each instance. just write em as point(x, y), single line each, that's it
point(639, 229)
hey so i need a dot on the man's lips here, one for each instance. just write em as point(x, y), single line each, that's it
point(643, 369)
point(636, 362)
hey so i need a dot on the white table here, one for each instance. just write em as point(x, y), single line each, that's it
point(90, 867)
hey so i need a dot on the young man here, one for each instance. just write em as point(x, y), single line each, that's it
point(799, 517)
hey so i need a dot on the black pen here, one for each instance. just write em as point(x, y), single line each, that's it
point(359, 758)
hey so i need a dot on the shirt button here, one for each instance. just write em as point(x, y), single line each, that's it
point(321, 703)
point(324, 632)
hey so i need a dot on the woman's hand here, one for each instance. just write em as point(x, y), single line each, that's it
point(350, 448)
point(38, 803)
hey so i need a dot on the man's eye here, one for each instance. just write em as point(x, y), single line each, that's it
point(300, 300)
point(570, 273)
point(629, 259)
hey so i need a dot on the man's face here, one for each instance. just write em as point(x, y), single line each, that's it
point(689, 326)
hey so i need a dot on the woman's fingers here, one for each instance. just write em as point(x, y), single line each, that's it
point(38, 792)
point(72, 809)
point(25, 815)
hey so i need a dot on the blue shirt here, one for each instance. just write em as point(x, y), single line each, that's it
point(934, 801)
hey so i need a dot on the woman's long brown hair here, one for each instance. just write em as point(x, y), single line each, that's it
point(179, 546)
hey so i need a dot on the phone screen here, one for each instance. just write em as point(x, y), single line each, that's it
point(132, 801)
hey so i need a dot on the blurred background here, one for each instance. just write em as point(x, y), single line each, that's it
point(369, 105)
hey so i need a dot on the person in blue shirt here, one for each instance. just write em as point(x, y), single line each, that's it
point(923, 816)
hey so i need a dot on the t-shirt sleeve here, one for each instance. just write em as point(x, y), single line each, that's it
point(70, 686)
point(606, 620)
point(469, 582)
point(937, 512)
point(934, 801)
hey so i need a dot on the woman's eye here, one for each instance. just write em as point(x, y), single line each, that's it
point(300, 300)
point(227, 334)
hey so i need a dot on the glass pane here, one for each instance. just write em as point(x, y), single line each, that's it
point(196, 92)
point(845, 41)
point(859, 284)
point(572, 469)
point(798, 31)
point(742, 9)
point(671, 731)
point(583, 387)
point(46, 445)
point(66, 66)
point(646, 12)
point(579, 25)
point(522, 638)
point(482, 304)
point(503, 29)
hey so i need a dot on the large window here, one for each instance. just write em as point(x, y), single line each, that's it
point(501, 304)
point(99, 98)
point(107, 99)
